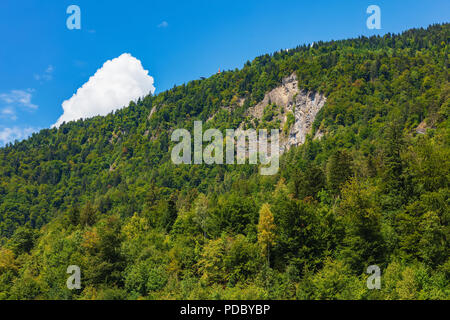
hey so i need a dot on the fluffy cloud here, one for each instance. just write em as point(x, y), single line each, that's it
point(15, 133)
point(112, 87)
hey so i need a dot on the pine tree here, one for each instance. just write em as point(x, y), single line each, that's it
point(339, 170)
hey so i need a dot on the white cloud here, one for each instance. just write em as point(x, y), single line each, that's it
point(163, 24)
point(112, 87)
point(15, 133)
point(8, 112)
point(18, 98)
point(47, 75)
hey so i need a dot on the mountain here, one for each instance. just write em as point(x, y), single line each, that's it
point(363, 180)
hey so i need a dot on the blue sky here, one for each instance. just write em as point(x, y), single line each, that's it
point(43, 63)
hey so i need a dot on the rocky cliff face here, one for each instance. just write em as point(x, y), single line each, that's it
point(302, 104)
point(282, 96)
point(307, 105)
point(288, 101)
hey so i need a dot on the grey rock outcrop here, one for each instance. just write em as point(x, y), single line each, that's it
point(304, 106)
point(307, 105)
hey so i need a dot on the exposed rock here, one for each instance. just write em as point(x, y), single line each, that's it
point(152, 112)
point(304, 105)
point(307, 105)
point(319, 134)
point(282, 96)
point(241, 102)
point(422, 128)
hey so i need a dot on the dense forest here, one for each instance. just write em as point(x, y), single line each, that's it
point(103, 193)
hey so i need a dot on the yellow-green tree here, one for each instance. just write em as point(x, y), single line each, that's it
point(266, 230)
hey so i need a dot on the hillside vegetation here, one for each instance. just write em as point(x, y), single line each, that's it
point(104, 194)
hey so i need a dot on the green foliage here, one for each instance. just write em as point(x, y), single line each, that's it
point(290, 120)
point(339, 170)
point(103, 193)
point(266, 230)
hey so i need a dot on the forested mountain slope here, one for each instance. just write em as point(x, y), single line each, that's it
point(104, 194)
